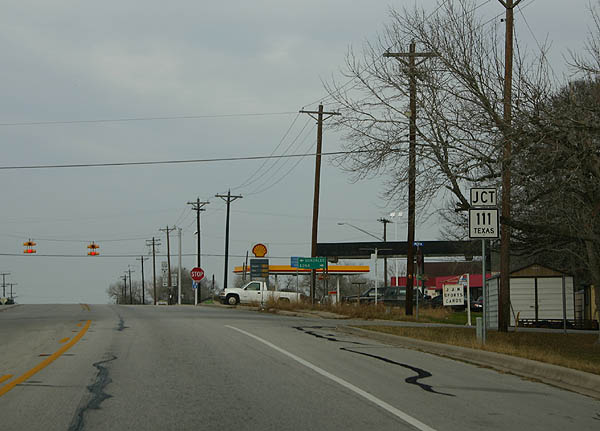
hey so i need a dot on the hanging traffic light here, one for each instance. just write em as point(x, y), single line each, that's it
point(29, 244)
point(93, 247)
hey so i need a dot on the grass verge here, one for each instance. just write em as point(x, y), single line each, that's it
point(577, 351)
point(379, 311)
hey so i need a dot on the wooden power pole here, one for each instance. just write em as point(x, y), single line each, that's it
point(385, 267)
point(315, 218)
point(411, 64)
point(153, 243)
point(168, 230)
point(142, 259)
point(227, 198)
point(504, 294)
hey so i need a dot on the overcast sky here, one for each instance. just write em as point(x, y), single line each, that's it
point(67, 61)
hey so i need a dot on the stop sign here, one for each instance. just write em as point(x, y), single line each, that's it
point(197, 274)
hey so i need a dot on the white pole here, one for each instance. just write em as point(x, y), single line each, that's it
point(179, 272)
point(468, 299)
point(376, 277)
point(484, 291)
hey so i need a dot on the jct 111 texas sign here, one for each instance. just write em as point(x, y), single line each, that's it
point(483, 215)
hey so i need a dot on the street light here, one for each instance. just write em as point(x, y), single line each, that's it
point(396, 215)
point(377, 238)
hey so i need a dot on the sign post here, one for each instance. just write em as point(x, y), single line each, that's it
point(483, 223)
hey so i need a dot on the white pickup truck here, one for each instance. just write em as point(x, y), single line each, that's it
point(255, 291)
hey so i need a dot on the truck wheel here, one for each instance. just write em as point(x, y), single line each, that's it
point(284, 299)
point(233, 299)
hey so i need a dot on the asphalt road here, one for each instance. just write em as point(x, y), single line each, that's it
point(108, 367)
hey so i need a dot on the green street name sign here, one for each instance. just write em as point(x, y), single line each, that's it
point(312, 262)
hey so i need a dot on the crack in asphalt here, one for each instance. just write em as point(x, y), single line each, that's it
point(413, 380)
point(98, 394)
point(421, 374)
point(328, 337)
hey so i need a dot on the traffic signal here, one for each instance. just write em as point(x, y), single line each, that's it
point(93, 247)
point(29, 244)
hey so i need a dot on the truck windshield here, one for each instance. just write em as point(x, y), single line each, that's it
point(253, 286)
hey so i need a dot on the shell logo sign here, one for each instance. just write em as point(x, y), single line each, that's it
point(259, 250)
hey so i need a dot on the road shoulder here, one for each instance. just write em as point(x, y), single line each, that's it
point(562, 377)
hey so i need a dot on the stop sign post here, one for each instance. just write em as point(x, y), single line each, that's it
point(197, 274)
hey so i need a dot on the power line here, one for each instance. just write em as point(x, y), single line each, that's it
point(265, 171)
point(288, 172)
point(123, 120)
point(38, 238)
point(273, 152)
point(172, 162)
point(128, 256)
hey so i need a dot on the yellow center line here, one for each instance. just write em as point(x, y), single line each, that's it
point(63, 340)
point(5, 377)
point(4, 389)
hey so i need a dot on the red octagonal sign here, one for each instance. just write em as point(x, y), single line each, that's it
point(197, 274)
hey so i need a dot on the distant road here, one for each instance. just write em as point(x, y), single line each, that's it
point(109, 367)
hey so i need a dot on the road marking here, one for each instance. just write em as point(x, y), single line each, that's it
point(391, 409)
point(5, 377)
point(63, 340)
point(4, 389)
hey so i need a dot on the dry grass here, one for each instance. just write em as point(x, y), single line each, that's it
point(578, 351)
point(370, 311)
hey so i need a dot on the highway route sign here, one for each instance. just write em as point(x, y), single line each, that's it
point(483, 223)
point(484, 197)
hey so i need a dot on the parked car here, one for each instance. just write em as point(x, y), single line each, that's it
point(366, 297)
point(437, 301)
point(396, 295)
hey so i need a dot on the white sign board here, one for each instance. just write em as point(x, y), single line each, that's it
point(482, 197)
point(483, 223)
point(454, 294)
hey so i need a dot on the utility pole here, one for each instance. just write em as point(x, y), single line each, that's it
point(227, 198)
point(385, 267)
point(124, 290)
point(4, 274)
point(315, 218)
point(11, 290)
point(179, 271)
point(167, 230)
point(198, 207)
point(142, 259)
point(153, 242)
point(504, 294)
point(411, 64)
point(130, 289)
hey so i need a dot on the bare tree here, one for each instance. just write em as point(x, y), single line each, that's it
point(461, 129)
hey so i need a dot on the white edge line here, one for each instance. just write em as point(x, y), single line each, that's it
point(391, 409)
